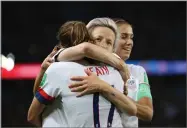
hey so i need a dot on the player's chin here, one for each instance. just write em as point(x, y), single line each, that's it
point(126, 56)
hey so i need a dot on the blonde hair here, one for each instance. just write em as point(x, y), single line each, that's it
point(103, 22)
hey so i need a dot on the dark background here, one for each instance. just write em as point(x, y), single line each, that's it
point(29, 32)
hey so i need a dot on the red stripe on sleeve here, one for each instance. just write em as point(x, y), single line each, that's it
point(45, 95)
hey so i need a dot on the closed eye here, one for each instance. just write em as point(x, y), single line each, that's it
point(126, 35)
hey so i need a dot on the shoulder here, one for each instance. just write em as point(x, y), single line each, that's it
point(137, 72)
point(136, 68)
point(62, 66)
point(55, 66)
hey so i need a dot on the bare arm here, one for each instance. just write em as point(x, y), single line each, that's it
point(144, 109)
point(46, 95)
point(95, 52)
point(91, 84)
point(144, 104)
point(38, 80)
point(34, 113)
point(120, 100)
point(91, 51)
point(46, 63)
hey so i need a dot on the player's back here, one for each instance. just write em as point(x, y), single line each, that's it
point(87, 111)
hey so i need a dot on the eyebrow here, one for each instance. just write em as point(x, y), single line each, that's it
point(127, 33)
point(98, 36)
point(108, 39)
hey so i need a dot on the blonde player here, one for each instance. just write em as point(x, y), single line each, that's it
point(138, 84)
point(103, 112)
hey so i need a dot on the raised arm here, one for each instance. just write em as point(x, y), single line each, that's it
point(91, 51)
point(95, 52)
point(45, 64)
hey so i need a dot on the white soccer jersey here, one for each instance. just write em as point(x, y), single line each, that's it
point(66, 109)
point(137, 77)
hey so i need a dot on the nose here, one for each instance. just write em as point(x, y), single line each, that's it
point(103, 44)
point(129, 42)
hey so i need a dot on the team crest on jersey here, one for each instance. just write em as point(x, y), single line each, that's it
point(131, 83)
point(43, 80)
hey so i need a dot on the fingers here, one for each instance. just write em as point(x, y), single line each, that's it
point(79, 89)
point(55, 48)
point(52, 53)
point(78, 78)
point(50, 60)
point(88, 72)
point(76, 84)
point(125, 91)
point(47, 64)
point(82, 93)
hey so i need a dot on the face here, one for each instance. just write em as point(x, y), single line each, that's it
point(104, 37)
point(125, 43)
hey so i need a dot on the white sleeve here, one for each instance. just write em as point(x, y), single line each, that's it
point(50, 86)
point(143, 75)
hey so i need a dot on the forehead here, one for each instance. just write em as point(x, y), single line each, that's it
point(125, 28)
point(103, 31)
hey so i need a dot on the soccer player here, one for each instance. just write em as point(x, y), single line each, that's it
point(69, 111)
point(142, 97)
point(138, 84)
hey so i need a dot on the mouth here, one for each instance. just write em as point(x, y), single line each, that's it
point(127, 49)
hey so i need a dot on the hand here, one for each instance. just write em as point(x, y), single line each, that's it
point(87, 84)
point(125, 76)
point(48, 60)
point(120, 65)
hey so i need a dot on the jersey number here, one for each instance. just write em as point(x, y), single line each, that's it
point(96, 111)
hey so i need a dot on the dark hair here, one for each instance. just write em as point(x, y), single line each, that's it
point(73, 33)
point(58, 46)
